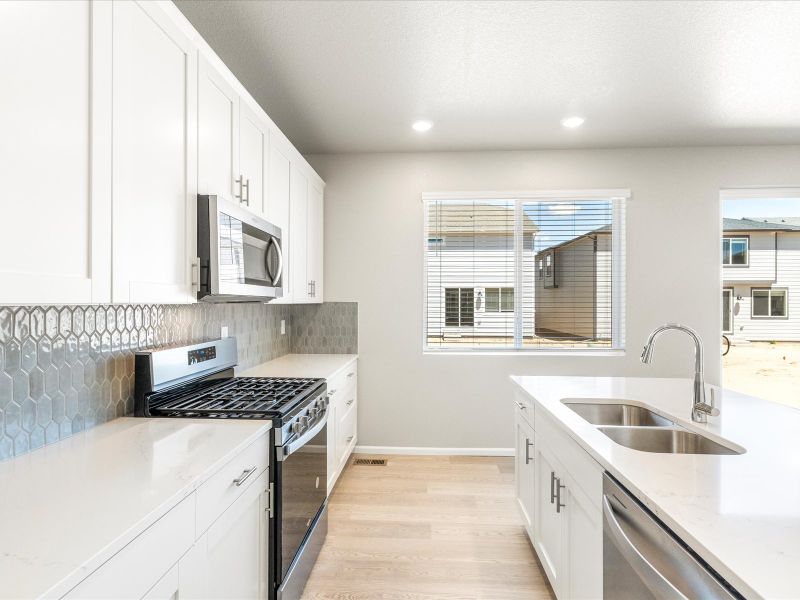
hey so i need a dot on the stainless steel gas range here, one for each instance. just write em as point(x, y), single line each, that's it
point(197, 381)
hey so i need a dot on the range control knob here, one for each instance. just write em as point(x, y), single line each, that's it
point(296, 427)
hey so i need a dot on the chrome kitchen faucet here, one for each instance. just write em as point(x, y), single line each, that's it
point(700, 408)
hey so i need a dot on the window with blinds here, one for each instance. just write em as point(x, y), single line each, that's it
point(524, 274)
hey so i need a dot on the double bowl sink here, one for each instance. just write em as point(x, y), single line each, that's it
point(638, 428)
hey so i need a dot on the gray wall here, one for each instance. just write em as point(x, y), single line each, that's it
point(65, 369)
point(374, 253)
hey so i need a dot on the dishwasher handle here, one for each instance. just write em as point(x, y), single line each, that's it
point(650, 576)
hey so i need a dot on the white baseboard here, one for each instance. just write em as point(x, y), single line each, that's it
point(430, 451)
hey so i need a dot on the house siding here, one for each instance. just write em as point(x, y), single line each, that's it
point(579, 305)
point(785, 275)
point(761, 265)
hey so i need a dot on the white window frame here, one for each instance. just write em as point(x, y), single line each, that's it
point(738, 238)
point(770, 291)
point(729, 291)
point(618, 269)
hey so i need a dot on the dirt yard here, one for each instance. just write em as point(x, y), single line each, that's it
point(764, 369)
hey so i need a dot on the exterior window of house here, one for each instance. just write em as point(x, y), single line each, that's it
point(735, 251)
point(770, 303)
point(499, 300)
point(459, 307)
point(480, 287)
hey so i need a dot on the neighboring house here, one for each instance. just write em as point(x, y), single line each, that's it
point(470, 272)
point(761, 279)
point(573, 288)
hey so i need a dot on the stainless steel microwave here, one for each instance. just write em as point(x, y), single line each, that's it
point(241, 258)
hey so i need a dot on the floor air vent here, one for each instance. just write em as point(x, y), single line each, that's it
point(370, 462)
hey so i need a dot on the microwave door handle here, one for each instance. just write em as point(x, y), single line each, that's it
point(277, 277)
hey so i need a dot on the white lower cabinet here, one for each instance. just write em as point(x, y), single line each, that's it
point(524, 468)
point(342, 421)
point(188, 553)
point(564, 498)
point(229, 560)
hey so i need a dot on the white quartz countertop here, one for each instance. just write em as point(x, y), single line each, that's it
point(66, 508)
point(741, 513)
point(324, 366)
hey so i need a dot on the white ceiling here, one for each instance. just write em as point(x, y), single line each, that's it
point(342, 76)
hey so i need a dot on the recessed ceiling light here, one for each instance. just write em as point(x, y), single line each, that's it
point(572, 122)
point(421, 126)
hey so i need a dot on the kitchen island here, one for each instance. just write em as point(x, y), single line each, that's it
point(739, 512)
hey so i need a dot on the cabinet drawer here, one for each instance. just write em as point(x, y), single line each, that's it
point(346, 430)
point(219, 492)
point(140, 565)
point(524, 407)
point(341, 384)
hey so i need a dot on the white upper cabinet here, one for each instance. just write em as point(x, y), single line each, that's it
point(55, 153)
point(114, 116)
point(155, 156)
point(298, 250)
point(217, 135)
point(253, 159)
point(316, 212)
point(277, 206)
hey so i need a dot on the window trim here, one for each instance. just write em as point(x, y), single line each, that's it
point(730, 311)
point(730, 239)
point(619, 198)
point(783, 290)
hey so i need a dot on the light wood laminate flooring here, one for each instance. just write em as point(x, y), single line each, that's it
point(425, 527)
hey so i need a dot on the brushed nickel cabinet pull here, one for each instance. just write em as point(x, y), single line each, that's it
point(244, 476)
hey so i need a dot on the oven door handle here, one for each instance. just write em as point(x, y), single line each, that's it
point(287, 450)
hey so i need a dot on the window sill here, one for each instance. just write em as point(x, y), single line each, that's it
point(545, 353)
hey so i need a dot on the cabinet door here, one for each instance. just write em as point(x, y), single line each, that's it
point(524, 470)
point(55, 119)
point(217, 134)
point(548, 526)
point(277, 207)
point(154, 156)
point(253, 148)
point(298, 221)
point(316, 221)
point(584, 547)
point(229, 560)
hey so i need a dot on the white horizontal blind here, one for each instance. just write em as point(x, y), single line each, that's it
point(504, 274)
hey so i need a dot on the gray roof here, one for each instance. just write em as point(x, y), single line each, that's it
point(762, 224)
point(603, 229)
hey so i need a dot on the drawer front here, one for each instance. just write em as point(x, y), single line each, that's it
point(523, 407)
point(219, 492)
point(143, 563)
point(344, 381)
point(346, 429)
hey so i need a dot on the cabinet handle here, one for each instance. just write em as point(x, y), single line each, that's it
point(350, 439)
point(559, 504)
point(520, 405)
point(239, 183)
point(528, 445)
point(244, 476)
point(350, 374)
point(349, 402)
point(331, 393)
point(552, 487)
point(246, 186)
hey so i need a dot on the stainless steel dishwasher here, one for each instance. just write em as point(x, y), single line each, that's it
point(642, 559)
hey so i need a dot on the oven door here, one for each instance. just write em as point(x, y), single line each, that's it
point(301, 476)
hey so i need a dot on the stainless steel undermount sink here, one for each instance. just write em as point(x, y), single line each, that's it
point(639, 428)
point(617, 414)
point(665, 440)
